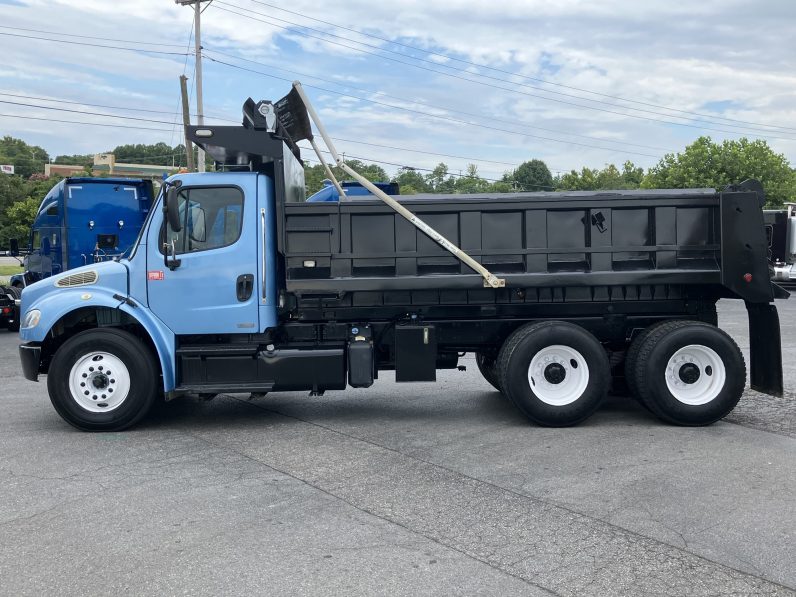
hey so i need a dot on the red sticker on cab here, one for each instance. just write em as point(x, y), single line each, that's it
point(155, 275)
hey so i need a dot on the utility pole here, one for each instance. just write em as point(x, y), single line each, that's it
point(186, 120)
point(197, 36)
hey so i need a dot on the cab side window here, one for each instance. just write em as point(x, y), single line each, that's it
point(211, 218)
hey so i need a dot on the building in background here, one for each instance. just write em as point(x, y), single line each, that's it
point(105, 164)
point(63, 170)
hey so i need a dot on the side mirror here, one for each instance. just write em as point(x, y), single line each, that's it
point(172, 209)
point(45, 246)
point(197, 224)
point(14, 247)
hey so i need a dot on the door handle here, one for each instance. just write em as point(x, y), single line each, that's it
point(244, 287)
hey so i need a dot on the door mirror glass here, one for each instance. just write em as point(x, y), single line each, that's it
point(172, 209)
point(14, 247)
point(45, 246)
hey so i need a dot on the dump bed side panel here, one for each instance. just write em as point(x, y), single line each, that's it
point(534, 240)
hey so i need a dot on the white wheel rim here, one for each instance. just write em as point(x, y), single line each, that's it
point(695, 374)
point(558, 375)
point(99, 382)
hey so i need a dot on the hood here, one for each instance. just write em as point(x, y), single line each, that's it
point(108, 275)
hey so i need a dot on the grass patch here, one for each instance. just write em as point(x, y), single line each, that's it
point(10, 270)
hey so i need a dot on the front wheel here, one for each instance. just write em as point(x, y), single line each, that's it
point(555, 372)
point(102, 380)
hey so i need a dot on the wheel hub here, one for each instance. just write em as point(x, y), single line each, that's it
point(695, 374)
point(555, 373)
point(558, 375)
point(99, 382)
point(689, 373)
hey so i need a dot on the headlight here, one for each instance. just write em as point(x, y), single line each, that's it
point(31, 318)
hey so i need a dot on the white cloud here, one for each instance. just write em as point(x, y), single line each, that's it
point(690, 56)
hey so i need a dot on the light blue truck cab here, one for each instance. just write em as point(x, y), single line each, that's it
point(236, 283)
point(84, 220)
point(227, 218)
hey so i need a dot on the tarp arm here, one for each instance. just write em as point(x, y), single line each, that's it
point(329, 173)
point(490, 280)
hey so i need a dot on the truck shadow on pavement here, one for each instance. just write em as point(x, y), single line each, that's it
point(483, 409)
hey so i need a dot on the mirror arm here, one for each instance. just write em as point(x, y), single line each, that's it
point(172, 263)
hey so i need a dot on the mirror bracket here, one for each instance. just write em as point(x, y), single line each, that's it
point(171, 263)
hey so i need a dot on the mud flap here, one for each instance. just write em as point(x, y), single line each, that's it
point(765, 349)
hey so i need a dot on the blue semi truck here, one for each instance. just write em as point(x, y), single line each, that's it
point(82, 221)
point(237, 284)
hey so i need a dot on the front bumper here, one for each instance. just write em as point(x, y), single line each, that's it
point(30, 355)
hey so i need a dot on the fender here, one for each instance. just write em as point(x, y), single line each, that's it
point(54, 306)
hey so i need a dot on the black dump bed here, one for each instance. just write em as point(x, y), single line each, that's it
point(536, 241)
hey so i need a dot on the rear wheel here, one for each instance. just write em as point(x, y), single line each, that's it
point(488, 367)
point(555, 372)
point(102, 380)
point(689, 373)
point(632, 357)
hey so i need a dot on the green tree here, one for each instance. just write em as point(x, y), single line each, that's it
point(438, 179)
point(708, 164)
point(533, 175)
point(26, 159)
point(315, 175)
point(471, 182)
point(86, 160)
point(18, 197)
point(610, 177)
point(411, 179)
point(18, 221)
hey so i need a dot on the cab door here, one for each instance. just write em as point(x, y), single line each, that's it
point(213, 288)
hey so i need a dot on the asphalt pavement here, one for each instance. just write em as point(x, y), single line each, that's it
point(399, 489)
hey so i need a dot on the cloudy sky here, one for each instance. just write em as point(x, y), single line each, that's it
point(575, 83)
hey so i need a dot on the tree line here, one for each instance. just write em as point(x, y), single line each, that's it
point(703, 163)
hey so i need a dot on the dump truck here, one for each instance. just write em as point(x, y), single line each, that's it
point(237, 284)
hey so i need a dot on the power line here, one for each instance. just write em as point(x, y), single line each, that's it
point(507, 72)
point(483, 83)
point(60, 121)
point(407, 149)
point(452, 110)
point(85, 112)
point(83, 43)
point(430, 115)
point(151, 43)
point(63, 101)
point(701, 115)
point(356, 142)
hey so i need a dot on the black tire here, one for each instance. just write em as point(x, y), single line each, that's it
point(13, 323)
point(141, 367)
point(516, 357)
point(650, 372)
point(632, 357)
point(488, 368)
